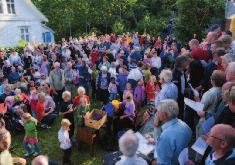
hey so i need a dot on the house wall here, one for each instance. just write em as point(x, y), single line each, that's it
point(10, 32)
point(26, 15)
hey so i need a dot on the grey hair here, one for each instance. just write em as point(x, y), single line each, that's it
point(166, 75)
point(81, 89)
point(181, 60)
point(129, 143)
point(169, 107)
point(229, 57)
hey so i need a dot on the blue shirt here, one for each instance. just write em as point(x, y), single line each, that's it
point(168, 91)
point(228, 158)
point(175, 136)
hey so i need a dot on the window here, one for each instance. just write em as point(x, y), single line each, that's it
point(1, 7)
point(10, 6)
point(24, 33)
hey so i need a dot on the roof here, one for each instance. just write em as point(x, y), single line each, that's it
point(46, 27)
point(42, 16)
point(230, 9)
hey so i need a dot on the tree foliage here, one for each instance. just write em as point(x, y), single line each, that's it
point(77, 17)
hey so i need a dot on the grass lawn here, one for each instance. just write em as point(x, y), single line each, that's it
point(49, 146)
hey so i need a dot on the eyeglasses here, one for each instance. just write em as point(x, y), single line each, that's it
point(208, 135)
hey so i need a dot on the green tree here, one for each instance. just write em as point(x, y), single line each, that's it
point(194, 17)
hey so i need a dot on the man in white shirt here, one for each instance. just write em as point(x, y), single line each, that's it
point(134, 76)
point(128, 145)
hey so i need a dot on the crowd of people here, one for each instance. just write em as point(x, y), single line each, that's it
point(148, 77)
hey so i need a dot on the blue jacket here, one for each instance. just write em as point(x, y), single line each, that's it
point(122, 80)
point(13, 77)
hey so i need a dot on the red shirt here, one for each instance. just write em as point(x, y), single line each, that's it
point(77, 99)
point(94, 56)
point(40, 110)
point(151, 89)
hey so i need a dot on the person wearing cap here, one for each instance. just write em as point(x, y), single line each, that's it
point(102, 84)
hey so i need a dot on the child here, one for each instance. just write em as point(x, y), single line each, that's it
point(82, 109)
point(65, 142)
point(112, 89)
point(30, 140)
point(127, 90)
point(151, 89)
point(139, 95)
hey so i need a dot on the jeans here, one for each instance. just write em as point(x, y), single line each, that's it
point(112, 96)
point(31, 148)
point(49, 119)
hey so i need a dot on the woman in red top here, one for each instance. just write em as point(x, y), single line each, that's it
point(151, 88)
point(41, 115)
point(81, 94)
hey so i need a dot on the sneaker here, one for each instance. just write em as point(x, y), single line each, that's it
point(27, 155)
point(35, 154)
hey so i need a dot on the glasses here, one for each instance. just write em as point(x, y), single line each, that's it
point(208, 135)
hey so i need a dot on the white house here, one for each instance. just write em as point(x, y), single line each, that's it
point(20, 19)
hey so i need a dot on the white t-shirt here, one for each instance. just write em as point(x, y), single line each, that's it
point(156, 62)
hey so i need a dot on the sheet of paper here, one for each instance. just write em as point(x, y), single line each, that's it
point(196, 106)
point(208, 124)
point(200, 146)
point(144, 147)
point(195, 92)
point(183, 157)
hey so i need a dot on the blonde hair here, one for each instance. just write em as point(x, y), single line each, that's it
point(28, 117)
point(41, 96)
point(66, 93)
point(65, 122)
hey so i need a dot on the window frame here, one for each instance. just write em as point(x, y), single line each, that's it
point(24, 33)
point(11, 4)
point(1, 7)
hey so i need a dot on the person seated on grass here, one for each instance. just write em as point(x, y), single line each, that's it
point(5, 156)
point(128, 144)
point(45, 118)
